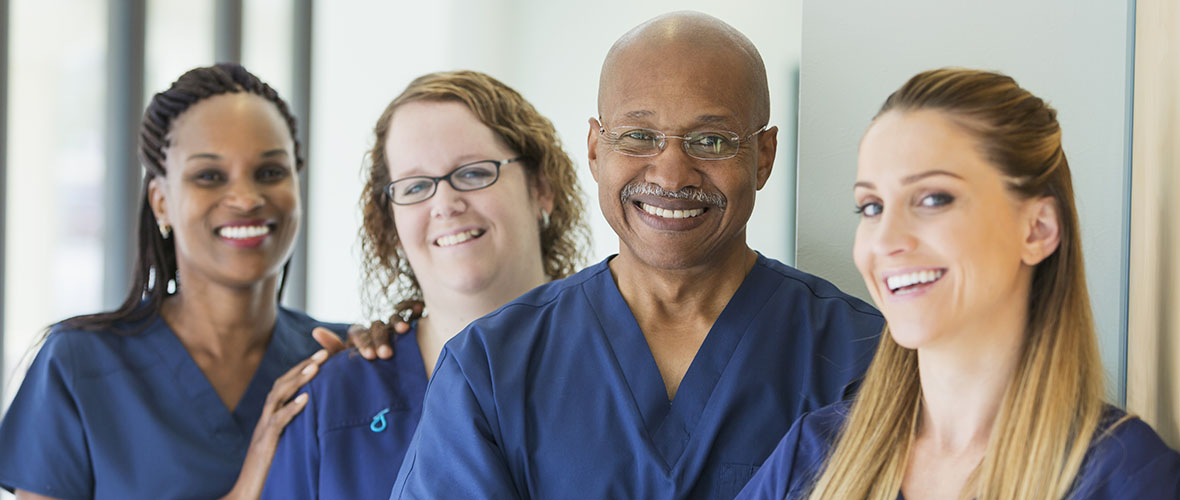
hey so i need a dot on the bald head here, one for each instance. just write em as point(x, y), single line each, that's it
point(686, 38)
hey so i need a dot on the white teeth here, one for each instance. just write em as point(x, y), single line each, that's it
point(455, 239)
point(671, 214)
point(903, 280)
point(243, 232)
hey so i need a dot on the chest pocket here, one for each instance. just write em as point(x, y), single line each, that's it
point(733, 477)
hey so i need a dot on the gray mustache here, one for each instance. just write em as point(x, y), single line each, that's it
point(689, 193)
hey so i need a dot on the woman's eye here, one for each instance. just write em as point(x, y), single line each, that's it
point(936, 200)
point(272, 173)
point(870, 209)
point(208, 176)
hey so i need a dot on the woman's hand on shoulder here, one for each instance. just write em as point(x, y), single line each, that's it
point(374, 340)
point(281, 406)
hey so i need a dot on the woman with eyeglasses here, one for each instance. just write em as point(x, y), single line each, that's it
point(470, 202)
point(183, 391)
point(987, 382)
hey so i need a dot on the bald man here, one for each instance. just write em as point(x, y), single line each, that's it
point(670, 370)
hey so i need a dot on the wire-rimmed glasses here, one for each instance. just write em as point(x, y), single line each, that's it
point(703, 145)
point(466, 177)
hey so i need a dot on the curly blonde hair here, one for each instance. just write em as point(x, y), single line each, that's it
point(389, 283)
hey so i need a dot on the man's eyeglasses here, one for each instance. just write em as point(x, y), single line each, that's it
point(466, 177)
point(702, 145)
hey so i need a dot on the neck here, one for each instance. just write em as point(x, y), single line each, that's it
point(450, 311)
point(219, 321)
point(964, 380)
point(669, 294)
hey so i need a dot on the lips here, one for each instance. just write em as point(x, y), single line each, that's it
point(245, 233)
point(459, 238)
point(670, 213)
point(907, 282)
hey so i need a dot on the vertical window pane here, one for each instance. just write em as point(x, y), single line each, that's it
point(179, 38)
point(55, 170)
point(267, 42)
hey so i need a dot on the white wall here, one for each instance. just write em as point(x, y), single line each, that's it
point(365, 52)
point(1072, 53)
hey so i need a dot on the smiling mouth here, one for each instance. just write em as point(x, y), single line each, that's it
point(670, 214)
point(902, 284)
point(451, 240)
point(244, 232)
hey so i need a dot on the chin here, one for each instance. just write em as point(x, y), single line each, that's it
point(910, 335)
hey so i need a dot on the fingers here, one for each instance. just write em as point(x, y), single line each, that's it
point(328, 340)
point(287, 412)
point(372, 342)
point(290, 383)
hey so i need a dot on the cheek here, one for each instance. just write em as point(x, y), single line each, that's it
point(861, 254)
point(411, 227)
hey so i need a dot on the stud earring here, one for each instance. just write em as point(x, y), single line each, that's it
point(165, 230)
point(544, 219)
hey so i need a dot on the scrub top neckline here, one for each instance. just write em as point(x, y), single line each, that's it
point(221, 421)
point(670, 424)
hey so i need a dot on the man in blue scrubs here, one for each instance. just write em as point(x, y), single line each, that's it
point(672, 369)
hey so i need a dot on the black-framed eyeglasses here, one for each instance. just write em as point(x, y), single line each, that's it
point(702, 145)
point(466, 177)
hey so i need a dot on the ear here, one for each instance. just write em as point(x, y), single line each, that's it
point(767, 143)
point(1043, 233)
point(156, 198)
point(543, 194)
point(592, 147)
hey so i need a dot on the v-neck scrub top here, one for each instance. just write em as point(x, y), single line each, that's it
point(1128, 462)
point(357, 424)
point(108, 416)
point(557, 395)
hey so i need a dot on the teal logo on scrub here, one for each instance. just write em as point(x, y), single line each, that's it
point(378, 424)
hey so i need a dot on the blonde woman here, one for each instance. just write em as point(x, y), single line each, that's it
point(987, 383)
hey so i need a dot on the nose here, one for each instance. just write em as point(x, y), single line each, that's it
point(447, 201)
point(244, 196)
point(672, 169)
point(893, 234)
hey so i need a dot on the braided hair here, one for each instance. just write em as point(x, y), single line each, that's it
point(155, 260)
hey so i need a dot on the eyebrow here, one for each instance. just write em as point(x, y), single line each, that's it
point(911, 179)
point(210, 156)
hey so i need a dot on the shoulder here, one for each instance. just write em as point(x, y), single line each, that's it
point(1126, 455)
point(301, 322)
point(817, 291)
point(534, 312)
point(88, 353)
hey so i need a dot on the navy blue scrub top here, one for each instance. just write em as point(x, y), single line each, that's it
point(1129, 463)
point(557, 395)
point(102, 415)
point(359, 419)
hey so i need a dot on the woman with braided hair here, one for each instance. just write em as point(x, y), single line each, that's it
point(183, 390)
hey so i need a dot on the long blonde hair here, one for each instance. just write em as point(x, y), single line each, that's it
point(1053, 403)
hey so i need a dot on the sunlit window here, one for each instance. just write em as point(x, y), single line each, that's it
point(55, 171)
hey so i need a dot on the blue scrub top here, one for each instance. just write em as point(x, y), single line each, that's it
point(355, 428)
point(557, 395)
point(1131, 462)
point(103, 415)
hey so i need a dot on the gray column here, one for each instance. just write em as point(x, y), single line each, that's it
point(124, 107)
point(300, 101)
point(3, 169)
point(227, 36)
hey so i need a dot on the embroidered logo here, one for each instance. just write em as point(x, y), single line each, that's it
point(378, 424)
